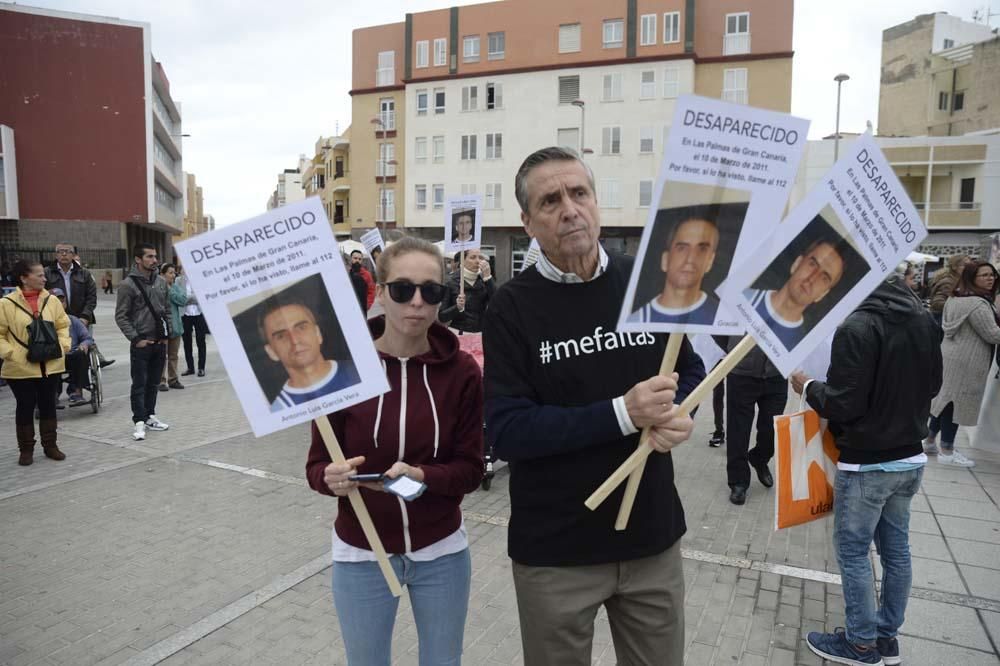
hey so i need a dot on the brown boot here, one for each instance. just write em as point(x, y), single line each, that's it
point(47, 434)
point(26, 443)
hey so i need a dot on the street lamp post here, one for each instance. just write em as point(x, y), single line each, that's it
point(840, 78)
point(580, 104)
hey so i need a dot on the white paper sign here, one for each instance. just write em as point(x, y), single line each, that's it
point(277, 298)
point(463, 223)
point(372, 240)
point(722, 188)
point(845, 237)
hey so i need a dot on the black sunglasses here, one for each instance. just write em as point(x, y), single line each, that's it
point(402, 292)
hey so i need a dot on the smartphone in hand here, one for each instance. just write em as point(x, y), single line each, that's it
point(361, 478)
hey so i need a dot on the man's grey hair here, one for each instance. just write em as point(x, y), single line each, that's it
point(539, 157)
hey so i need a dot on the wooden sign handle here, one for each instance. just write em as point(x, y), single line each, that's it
point(670, 355)
point(461, 275)
point(693, 400)
point(360, 510)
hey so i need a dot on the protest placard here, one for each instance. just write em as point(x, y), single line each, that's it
point(722, 186)
point(463, 223)
point(844, 238)
point(372, 240)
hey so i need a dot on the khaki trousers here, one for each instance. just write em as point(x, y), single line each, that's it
point(644, 599)
point(170, 368)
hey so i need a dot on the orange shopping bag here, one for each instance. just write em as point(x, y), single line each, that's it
point(805, 468)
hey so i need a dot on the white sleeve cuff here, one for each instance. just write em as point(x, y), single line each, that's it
point(624, 421)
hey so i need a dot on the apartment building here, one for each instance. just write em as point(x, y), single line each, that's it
point(289, 188)
point(939, 77)
point(326, 176)
point(87, 112)
point(462, 95)
point(194, 208)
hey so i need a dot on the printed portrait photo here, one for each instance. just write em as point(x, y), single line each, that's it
point(688, 254)
point(294, 343)
point(807, 279)
point(463, 225)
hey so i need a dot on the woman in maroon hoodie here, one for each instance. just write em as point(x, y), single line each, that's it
point(427, 427)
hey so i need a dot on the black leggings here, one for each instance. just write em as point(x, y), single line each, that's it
point(39, 392)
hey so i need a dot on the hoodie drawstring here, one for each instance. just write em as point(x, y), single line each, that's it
point(434, 413)
point(378, 413)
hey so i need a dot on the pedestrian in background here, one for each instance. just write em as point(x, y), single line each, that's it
point(195, 328)
point(177, 298)
point(885, 368)
point(465, 312)
point(108, 283)
point(430, 427)
point(358, 284)
point(943, 282)
point(78, 284)
point(33, 384)
point(357, 267)
point(77, 359)
point(971, 329)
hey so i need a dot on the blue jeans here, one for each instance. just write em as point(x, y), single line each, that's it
point(439, 595)
point(874, 506)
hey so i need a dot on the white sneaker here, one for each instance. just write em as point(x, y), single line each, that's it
point(154, 423)
point(140, 431)
point(955, 458)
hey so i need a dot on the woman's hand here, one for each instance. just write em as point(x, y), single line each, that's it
point(335, 476)
point(402, 469)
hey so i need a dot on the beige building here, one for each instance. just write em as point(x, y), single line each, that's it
point(289, 188)
point(326, 176)
point(449, 102)
point(939, 77)
point(194, 208)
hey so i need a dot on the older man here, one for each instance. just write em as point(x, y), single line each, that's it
point(78, 285)
point(566, 396)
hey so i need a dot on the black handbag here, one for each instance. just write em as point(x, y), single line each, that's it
point(43, 342)
point(163, 328)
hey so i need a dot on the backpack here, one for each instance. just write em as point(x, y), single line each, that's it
point(43, 343)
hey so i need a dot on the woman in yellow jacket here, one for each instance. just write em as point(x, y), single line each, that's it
point(33, 384)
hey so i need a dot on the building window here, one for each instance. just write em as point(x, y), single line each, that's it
point(949, 43)
point(470, 98)
point(645, 193)
point(422, 102)
point(671, 27)
point(470, 48)
point(611, 141)
point(494, 146)
point(737, 38)
point(437, 145)
point(493, 200)
point(440, 52)
point(387, 113)
point(671, 82)
point(420, 196)
point(614, 32)
point(469, 146)
point(647, 84)
point(610, 194)
point(385, 75)
point(386, 154)
point(734, 85)
point(494, 96)
point(438, 192)
point(959, 102)
point(942, 101)
point(612, 87)
point(569, 88)
point(423, 53)
point(338, 168)
point(439, 100)
point(569, 38)
point(648, 30)
point(420, 149)
point(568, 137)
point(468, 188)
point(497, 45)
point(646, 139)
point(387, 205)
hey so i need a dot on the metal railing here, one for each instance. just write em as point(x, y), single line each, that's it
point(736, 43)
point(97, 257)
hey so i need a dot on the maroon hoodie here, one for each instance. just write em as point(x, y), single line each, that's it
point(437, 398)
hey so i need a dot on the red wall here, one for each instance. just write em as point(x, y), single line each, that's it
point(74, 93)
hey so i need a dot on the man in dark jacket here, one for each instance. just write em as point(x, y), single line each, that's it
point(147, 327)
point(78, 285)
point(754, 382)
point(465, 312)
point(885, 368)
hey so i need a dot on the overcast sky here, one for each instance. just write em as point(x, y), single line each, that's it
point(259, 81)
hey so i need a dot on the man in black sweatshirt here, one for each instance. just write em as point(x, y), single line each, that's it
point(566, 397)
point(885, 367)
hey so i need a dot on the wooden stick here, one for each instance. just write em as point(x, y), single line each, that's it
point(360, 510)
point(693, 400)
point(670, 355)
point(461, 275)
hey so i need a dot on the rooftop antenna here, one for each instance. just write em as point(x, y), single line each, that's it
point(337, 128)
point(984, 15)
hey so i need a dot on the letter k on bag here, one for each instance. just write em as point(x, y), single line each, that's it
point(805, 468)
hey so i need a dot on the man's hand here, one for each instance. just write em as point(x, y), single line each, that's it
point(799, 380)
point(86, 322)
point(676, 430)
point(84, 347)
point(460, 302)
point(143, 343)
point(650, 402)
point(484, 269)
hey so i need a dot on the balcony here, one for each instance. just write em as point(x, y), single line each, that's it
point(736, 43)
point(735, 96)
point(387, 121)
point(938, 214)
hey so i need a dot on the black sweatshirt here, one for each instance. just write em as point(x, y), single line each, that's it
point(553, 366)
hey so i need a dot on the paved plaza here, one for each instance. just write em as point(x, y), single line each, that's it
point(203, 545)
